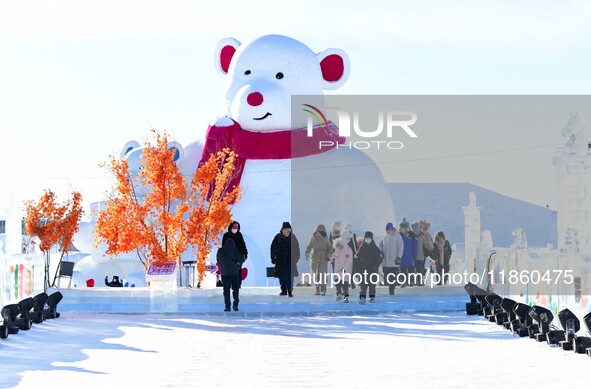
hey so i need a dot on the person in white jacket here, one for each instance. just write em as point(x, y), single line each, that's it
point(392, 246)
point(343, 264)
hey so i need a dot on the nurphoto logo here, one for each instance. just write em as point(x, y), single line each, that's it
point(390, 122)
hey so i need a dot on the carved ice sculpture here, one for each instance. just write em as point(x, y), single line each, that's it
point(520, 241)
point(574, 131)
point(571, 241)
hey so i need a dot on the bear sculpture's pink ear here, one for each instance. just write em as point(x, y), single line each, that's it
point(224, 52)
point(334, 64)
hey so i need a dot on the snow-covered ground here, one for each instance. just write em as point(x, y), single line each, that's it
point(83, 350)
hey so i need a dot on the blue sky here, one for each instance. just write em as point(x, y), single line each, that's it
point(80, 79)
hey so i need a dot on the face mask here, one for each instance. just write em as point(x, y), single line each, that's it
point(234, 230)
point(368, 241)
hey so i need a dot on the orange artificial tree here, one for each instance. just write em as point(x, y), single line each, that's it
point(212, 198)
point(53, 223)
point(158, 214)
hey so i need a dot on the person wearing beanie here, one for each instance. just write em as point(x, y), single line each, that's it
point(319, 248)
point(343, 264)
point(392, 247)
point(285, 254)
point(414, 229)
point(369, 258)
point(235, 234)
point(425, 242)
point(230, 260)
point(409, 253)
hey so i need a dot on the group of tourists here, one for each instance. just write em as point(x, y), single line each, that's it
point(405, 255)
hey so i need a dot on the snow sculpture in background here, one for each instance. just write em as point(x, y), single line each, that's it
point(283, 173)
point(486, 240)
point(520, 241)
point(574, 131)
point(472, 200)
point(571, 241)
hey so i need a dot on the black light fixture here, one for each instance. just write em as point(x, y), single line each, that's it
point(480, 294)
point(9, 314)
point(40, 301)
point(494, 302)
point(24, 321)
point(583, 343)
point(571, 325)
point(544, 317)
point(523, 320)
point(52, 302)
point(508, 314)
point(472, 306)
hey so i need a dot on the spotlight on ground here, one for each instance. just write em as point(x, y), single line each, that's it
point(494, 302)
point(523, 320)
point(570, 325)
point(544, 317)
point(583, 343)
point(52, 302)
point(23, 321)
point(472, 306)
point(508, 315)
point(480, 294)
point(9, 314)
point(40, 301)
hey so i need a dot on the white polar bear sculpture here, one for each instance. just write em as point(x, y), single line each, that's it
point(282, 176)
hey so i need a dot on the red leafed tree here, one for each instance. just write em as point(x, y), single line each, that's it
point(171, 213)
point(53, 223)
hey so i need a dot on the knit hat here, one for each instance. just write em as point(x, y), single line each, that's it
point(404, 224)
point(415, 228)
point(348, 226)
point(369, 234)
point(286, 225)
point(390, 226)
point(235, 225)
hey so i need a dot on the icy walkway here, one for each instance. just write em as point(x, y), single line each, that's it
point(415, 350)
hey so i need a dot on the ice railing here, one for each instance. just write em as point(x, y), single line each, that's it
point(21, 276)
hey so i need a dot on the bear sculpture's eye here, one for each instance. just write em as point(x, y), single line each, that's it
point(247, 72)
point(279, 76)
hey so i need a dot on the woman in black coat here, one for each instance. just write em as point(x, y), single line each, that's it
point(285, 253)
point(230, 260)
point(235, 234)
point(369, 259)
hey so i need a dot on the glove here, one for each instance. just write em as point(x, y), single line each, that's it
point(397, 261)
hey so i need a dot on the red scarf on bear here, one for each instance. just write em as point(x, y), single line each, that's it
point(267, 145)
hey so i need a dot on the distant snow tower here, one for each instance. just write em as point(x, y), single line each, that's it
point(573, 166)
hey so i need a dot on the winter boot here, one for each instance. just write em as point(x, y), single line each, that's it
point(339, 297)
point(346, 299)
point(372, 299)
point(361, 300)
